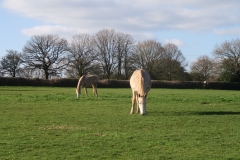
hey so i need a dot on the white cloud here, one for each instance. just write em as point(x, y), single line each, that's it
point(177, 42)
point(133, 16)
point(229, 31)
point(62, 31)
point(46, 30)
point(66, 32)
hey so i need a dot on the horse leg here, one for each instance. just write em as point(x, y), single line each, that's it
point(133, 103)
point(93, 90)
point(138, 110)
point(86, 91)
point(96, 91)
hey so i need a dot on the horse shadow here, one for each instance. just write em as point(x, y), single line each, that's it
point(190, 113)
point(217, 113)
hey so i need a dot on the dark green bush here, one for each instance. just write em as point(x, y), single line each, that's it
point(67, 82)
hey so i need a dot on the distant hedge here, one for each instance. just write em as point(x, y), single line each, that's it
point(65, 82)
point(18, 81)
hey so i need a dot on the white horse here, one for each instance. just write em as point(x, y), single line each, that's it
point(85, 81)
point(140, 83)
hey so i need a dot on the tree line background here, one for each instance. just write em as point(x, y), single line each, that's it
point(115, 55)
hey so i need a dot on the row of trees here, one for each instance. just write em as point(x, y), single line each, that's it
point(224, 67)
point(111, 54)
point(108, 53)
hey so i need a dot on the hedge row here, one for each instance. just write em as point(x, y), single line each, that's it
point(10, 81)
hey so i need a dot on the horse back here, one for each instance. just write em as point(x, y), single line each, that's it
point(140, 81)
point(90, 80)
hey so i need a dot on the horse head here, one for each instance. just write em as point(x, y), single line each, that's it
point(142, 104)
point(78, 92)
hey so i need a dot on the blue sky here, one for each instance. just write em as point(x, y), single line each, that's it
point(195, 26)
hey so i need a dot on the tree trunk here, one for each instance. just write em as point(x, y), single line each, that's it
point(46, 74)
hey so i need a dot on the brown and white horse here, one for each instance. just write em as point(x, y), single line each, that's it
point(85, 81)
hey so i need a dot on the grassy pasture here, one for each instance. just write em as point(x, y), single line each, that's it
point(51, 123)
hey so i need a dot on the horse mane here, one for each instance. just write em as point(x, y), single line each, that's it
point(87, 80)
point(141, 88)
point(80, 82)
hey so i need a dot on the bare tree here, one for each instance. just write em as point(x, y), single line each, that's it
point(203, 68)
point(46, 52)
point(1, 72)
point(124, 50)
point(82, 56)
point(105, 48)
point(31, 72)
point(229, 53)
point(173, 61)
point(147, 55)
point(11, 62)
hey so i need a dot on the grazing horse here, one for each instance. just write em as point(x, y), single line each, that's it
point(140, 83)
point(85, 81)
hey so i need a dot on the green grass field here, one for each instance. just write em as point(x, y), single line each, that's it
point(51, 123)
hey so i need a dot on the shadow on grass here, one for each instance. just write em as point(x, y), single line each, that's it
point(190, 113)
point(218, 113)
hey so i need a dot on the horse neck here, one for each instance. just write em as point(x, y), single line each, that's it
point(141, 89)
point(80, 82)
